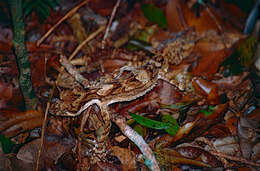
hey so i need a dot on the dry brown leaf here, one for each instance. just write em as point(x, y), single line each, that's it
point(38, 70)
point(180, 16)
point(15, 120)
point(5, 46)
point(207, 89)
point(23, 126)
point(174, 16)
point(5, 163)
point(218, 130)
point(168, 94)
point(204, 22)
point(126, 157)
point(197, 153)
point(227, 145)
point(28, 153)
point(6, 93)
point(208, 64)
point(231, 123)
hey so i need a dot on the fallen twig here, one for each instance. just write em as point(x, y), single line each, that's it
point(90, 37)
point(234, 158)
point(222, 155)
point(110, 22)
point(211, 145)
point(65, 62)
point(44, 128)
point(70, 13)
point(69, 67)
point(212, 16)
point(150, 160)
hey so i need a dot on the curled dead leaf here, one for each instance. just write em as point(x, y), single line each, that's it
point(207, 89)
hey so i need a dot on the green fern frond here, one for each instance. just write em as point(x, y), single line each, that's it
point(41, 7)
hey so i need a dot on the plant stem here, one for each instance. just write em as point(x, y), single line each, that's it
point(21, 56)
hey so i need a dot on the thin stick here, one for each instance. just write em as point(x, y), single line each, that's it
point(44, 128)
point(234, 158)
point(110, 22)
point(212, 16)
point(150, 160)
point(211, 145)
point(90, 37)
point(73, 71)
point(70, 13)
point(222, 155)
point(48, 104)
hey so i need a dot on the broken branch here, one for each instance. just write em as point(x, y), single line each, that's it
point(150, 160)
point(70, 13)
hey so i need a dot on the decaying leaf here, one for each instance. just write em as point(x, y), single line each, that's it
point(178, 72)
point(13, 123)
point(154, 14)
point(126, 157)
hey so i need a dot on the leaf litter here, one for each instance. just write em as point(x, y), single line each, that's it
point(171, 86)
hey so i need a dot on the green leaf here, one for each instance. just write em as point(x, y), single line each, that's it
point(169, 119)
point(208, 111)
point(51, 3)
point(146, 34)
point(168, 123)
point(43, 12)
point(140, 130)
point(57, 2)
point(246, 51)
point(211, 108)
point(149, 122)
point(42, 7)
point(173, 129)
point(240, 59)
point(7, 144)
point(28, 10)
point(29, 6)
point(154, 14)
point(232, 65)
point(29, 3)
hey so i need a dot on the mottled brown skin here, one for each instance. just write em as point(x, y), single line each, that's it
point(126, 84)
